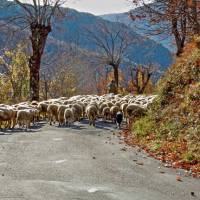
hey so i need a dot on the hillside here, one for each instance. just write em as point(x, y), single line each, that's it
point(141, 27)
point(171, 129)
point(71, 29)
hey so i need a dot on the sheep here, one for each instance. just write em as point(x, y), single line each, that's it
point(134, 110)
point(91, 112)
point(118, 104)
point(61, 112)
point(66, 102)
point(106, 113)
point(22, 107)
point(94, 103)
point(78, 106)
point(35, 112)
point(3, 106)
point(113, 112)
point(63, 98)
point(7, 115)
point(25, 117)
point(42, 107)
point(78, 113)
point(123, 109)
point(34, 103)
point(52, 112)
point(109, 104)
point(101, 107)
point(69, 116)
point(83, 108)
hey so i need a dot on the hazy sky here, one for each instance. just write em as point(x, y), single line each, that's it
point(98, 7)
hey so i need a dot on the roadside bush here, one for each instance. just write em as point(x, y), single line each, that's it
point(143, 127)
point(174, 118)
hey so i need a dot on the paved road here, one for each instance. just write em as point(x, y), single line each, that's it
point(83, 163)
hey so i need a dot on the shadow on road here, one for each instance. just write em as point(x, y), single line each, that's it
point(101, 124)
point(82, 125)
point(32, 129)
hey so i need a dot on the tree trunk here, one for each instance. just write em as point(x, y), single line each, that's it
point(34, 64)
point(145, 82)
point(180, 42)
point(46, 90)
point(195, 22)
point(39, 34)
point(116, 75)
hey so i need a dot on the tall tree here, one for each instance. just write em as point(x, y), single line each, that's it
point(177, 17)
point(140, 77)
point(16, 72)
point(37, 17)
point(112, 43)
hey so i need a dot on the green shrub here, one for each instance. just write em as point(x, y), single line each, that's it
point(143, 126)
point(155, 146)
point(188, 157)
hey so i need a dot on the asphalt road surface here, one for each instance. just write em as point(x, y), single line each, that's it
point(84, 163)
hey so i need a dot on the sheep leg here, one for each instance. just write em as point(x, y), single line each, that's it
point(13, 123)
point(66, 123)
point(50, 120)
point(93, 122)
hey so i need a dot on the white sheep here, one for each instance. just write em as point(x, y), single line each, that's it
point(69, 116)
point(78, 113)
point(91, 112)
point(113, 112)
point(25, 117)
point(42, 107)
point(52, 112)
point(106, 113)
point(8, 115)
point(123, 109)
point(61, 112)
point(134, 110)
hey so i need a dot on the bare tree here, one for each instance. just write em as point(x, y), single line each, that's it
point(140, 76)
point(37, 17)
point(177, 17)
point(113, 43)
point(45, 79)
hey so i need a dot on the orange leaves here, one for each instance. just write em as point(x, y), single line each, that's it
point(170, 153)
point(105, 77)
point(136, 17)
point(189, 2)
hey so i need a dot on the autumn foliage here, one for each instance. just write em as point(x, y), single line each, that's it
point(14, 82)
point(171, 129)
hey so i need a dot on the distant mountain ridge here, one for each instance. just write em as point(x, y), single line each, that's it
point(140, 26)
point(72, 30)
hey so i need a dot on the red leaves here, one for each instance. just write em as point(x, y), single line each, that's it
point(189, 2)
point(170, 153)
point(136, 17)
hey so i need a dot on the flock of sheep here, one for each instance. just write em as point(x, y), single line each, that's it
point(65, 111)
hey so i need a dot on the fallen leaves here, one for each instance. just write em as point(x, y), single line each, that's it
point(140, 163)
point(170, 153)
point(124, 149)
point(178, 178)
